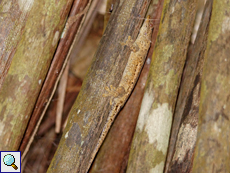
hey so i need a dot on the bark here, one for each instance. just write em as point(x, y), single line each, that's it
point(212, 147)
point(108, 11)
point(45, 144)
point(150, 142)
point(73, 88)
point(113, 155)
point(90, 111)
point(181, 147)
point(54, 74)
point(29, 66)
point(13, 19)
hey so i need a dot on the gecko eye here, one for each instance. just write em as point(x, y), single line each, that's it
point(111, 8)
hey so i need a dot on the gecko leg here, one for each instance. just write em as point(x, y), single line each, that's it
point(113, 92)
point(129, 42)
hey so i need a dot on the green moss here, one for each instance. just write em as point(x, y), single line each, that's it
point(218, 14)
point(160, 58)
point(30, 64)
point(170, 81)
point(220, 78)
point(31, 53)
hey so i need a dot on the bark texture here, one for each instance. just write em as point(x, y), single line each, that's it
point(90, 111)
point(29, 66)
point(114, 153)
point(212, 147)
point(108, 11)
point(55, 71)
point(150, 143)
point(184, 131)
point(13, 17)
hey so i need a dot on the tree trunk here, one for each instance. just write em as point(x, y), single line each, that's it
point(212, 147)
point(12, 21)
point(55, 71)
point(182, 146)
point(90, 111)
point(150, 142)
point(29, 67)
point(114, 153)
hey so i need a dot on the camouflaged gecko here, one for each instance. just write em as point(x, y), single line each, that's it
point(119, 95)
point(134, 65)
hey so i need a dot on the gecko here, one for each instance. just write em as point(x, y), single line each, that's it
point(139, 49)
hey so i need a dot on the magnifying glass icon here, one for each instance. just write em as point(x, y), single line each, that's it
point(9, 160)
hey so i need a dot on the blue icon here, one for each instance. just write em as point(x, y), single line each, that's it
point(9, 160)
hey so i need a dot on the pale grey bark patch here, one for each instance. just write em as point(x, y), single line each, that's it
point(158, 126)
point(25, 5)
point(147, 102)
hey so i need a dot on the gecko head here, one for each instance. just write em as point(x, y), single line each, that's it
point(146, 28)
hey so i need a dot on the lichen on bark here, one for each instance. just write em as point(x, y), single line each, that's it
point(212, 151)
point(149, 147)
point(29, 66)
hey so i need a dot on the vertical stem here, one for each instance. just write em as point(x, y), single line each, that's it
point(212, 147)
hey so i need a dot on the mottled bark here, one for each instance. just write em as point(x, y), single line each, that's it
point(54, 74)
point(150, 143)
point(13, 17)
point(109, 10)
point(90, 111)
point(113, 155)
point(29, 66)
point(73, 88)
point(184, 130)
point(212, 147)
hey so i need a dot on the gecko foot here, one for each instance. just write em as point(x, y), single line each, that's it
point(113, 92)
point(129, 42)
